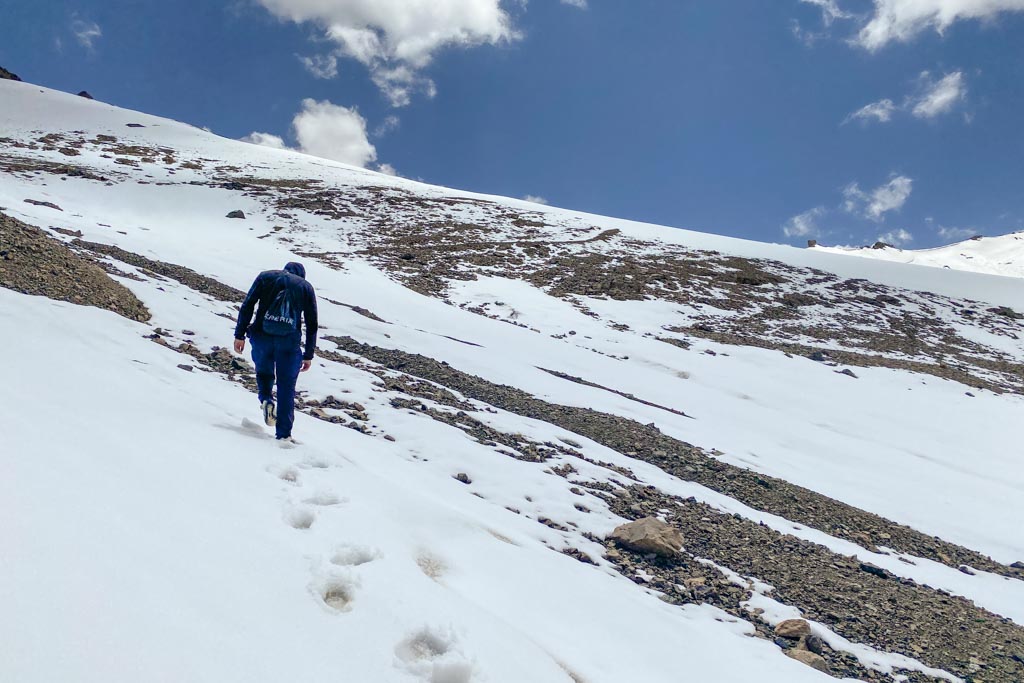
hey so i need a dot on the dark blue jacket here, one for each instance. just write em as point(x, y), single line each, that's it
point(263, 291)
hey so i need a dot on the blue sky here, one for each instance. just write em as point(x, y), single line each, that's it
point(782, 120)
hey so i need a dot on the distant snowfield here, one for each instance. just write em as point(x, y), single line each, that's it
point(159, 539)
point(1002, 255)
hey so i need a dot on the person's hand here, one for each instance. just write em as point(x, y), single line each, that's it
point(239, 345)
point(306, 364)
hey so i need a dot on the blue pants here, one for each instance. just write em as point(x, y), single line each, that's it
point(281, 357)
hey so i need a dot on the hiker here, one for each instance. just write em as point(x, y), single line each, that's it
point(284, 298)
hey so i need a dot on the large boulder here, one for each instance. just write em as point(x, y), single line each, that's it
point(648, 535)
point(810, 659)
point(792, 628)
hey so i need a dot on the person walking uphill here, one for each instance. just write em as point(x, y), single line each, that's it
point(285, 299)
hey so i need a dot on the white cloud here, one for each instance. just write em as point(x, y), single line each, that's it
point(397, 39)
point(389, 124)
point(582, 4)
point(535, 199)
point(933, 98)
point(333, 132)
point(956, 234)
point(804, 224)
point(86, 32)
point(386, 169)
point(321, 66)
point(940, 96)
point(880, 111)
point(890, 196)
point(830, 10)
point(897, 238)
point(901, 20)
point(830, 13)
point(265, 140)
point(329, 131)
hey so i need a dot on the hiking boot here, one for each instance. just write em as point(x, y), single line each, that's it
point(269, 413)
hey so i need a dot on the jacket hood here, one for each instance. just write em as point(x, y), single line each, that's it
point(296, 269)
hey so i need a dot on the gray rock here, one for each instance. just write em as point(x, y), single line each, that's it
point(812, 643)
point(809, 658)
point(648, 535)
point(792, 628)
point(237, 213)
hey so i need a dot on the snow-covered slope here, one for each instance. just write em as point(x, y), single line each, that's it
point(1001, 255)
point(157, 534)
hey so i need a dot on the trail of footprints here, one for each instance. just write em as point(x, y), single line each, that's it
point(430, 653)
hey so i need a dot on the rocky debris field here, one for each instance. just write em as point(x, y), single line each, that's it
point(32, 262)
point(429, 242)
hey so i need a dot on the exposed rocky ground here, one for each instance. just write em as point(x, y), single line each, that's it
point(32, 262)
point(427, 243)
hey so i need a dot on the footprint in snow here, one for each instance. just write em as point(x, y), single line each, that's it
point(286, 474)
point(335, 581)
point(299, 517)
point(431, 565)
point(337, 592)
point(247, 428)
point(434, 655)
point(325, 498)
point(314, 463)
point(354, 555)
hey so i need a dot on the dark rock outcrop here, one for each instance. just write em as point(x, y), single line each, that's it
point(32, 262)
point(7, 75)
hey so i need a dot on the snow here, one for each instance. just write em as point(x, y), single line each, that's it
point(1000, 255)
point(152, 525)
point(154, 520)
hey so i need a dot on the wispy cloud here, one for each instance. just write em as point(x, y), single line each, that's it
point(389, 124)
point(896, 238)
point(804, 224)
point(885, 198)
point(582, 4)
point(941, 96)
point(889, 21)
point(265, 140)
point(535, 199)
point(86, 32)
point(321, 66)
point(830, 10)
point(932, 98)
point(956, 234)
point(880, 111)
